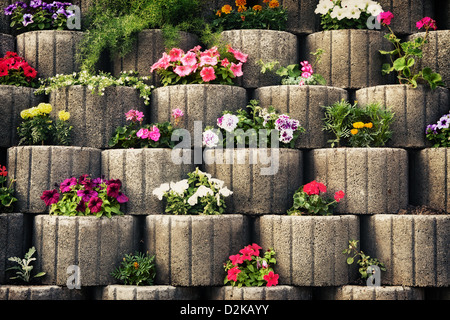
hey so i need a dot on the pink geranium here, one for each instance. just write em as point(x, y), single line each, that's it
point(208, 74)
point(426, 22)
point(142, 133)
point(236, 69)
point(177, 113)
point(154, 134)
point(385, 17)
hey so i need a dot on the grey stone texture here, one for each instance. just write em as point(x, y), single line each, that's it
point(96, 245)
point(141, 171)
point(414, 109)
point(7, 42)
point(14, 238)
point(39, 168)
point(375, 180)
point(351, 58)
point(14, 99)
point(95, 117)
point(148, 49)
point(430, 178)
point(279, 292)
point(265, 45)
point(154, 292)
point(309, 248)
point(414, 248)
point(436, 53)
point(191, 250)
point(352, 292)
point(199, 102)
point(263, 180)
point(40, 292)
point(50, 52)
point(304, 104)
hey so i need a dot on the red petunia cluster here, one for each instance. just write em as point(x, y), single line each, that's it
point(12, 63)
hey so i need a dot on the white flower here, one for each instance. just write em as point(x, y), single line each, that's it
point(353, 13)
point(210, 139)
point(338, 13)
point(193, 200)
point(324, 6)
point(225, 192)
point(203, 191)
point(228, 122)
point(180, 186)
point(374, 9)
point(161, 190)
point(218, 183)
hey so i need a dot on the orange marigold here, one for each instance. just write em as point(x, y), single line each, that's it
point(241, 3)
point(226, 9)
point(257, 8)
point(242, 9)
point(266, 1)
point(218, 13)
point(274, 4)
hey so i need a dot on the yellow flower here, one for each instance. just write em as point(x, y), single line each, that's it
point(136, 265)
point(63, 115)
point(44, 108)
point(368, 125)
point(274, 4)
point(25, 114)
point(241, 3)
point(226, 9)
point(218, 13)
point(358, 125)
point(354, 131)
point(257, 8)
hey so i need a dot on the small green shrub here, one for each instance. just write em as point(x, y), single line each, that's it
point(138, 269)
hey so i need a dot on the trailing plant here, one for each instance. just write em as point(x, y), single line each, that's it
point(364, 260)
point(248, 269)
point(24, 267)
point(6, 192)
point(14, 70)
point(439, 133)
point(403, 57)
point(138, 269)
point(199, 194)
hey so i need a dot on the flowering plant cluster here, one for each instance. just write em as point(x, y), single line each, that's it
point(358, 126)
point(97, 83)
point(256, 124)
point(86, 196)
point(199, 194)
point(439, 133)
point(39, 15)
point(136, 134)
point(38, 128)
point(137, 269)
point(6, 192)
point(195, 66)
point(404, 55)
point(269, 16)
point(248, 269)
point(14, 70)
point(346, 14)
point(310, 199)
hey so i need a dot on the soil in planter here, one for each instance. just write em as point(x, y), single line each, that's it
point(421, 210)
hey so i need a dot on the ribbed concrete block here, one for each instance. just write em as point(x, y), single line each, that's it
point(141, 171)
point(414, 248)
point(309, 248)
point(267, 45)
point(40, 292)
point(14, 238)
point(95, 117)
point(263, 181)
point(7, 42)
point(414, 109)
point(436, 53)
point(39, 168)
point(14, 100)
point(279, 292)
point(351, 58)
point(148, 49)
point(351, 292)
point(96, 245)
point(375, 180)
point(50, 52)
point(304, 104)
point(199, 102)
point(191, 250)
point(430, 177)
point(155, 292)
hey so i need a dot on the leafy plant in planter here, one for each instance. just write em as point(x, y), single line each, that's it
point(138, 269)
point(6, 192)
point(14, 70)
point(439, 133)
point(24, 267)
point(364, 261)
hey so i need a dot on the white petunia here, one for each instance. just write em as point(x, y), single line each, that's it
point(180, 186)
point(203, 191)
point(218, 183)
point(324, 6)
point(374, 9)
point(161, 190)
point(225, 192)
point(193, 200)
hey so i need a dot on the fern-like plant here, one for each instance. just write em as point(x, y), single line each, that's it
point(24, 267)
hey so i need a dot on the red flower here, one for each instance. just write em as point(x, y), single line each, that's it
point(29, 72)
point(314, 187)
point(232, 273)
point(426, 22)
point(236, 259)
point(247, 253)
point(3, 69)
point(50, 197)
point(339, 195)
point(255, 248)
point(271, 278)
point(3, 171)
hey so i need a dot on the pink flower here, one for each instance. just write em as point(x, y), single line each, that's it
point(189, 59)
point(177, 113)
point(207, 60)
point(426, 22)
point(236, 259)
point(301, 83)
point(385, 17)
point(121, 198)
point(208, 74)
point(236, 69)
point(134, 115)
point(183, 71)
point(242, 57)
point(162, 63)
point(306, 74)
point(154, 134)
point(225, 63)
point(271, 278)
point(176, 54)
point(142, 133)
point(212, 52)
point(232, 274)
point(255, 248)
point(196, 49)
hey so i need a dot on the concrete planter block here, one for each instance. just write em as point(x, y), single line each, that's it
point(436, 54)
point(95, 117)
point(414, 248)
point(429, 178)
point(304, 104)
point(141, 171)
point(96, 245)
point(156, 292)
point(14, 239)
point(39, 168)
point(191, 250)
point(279, 292)
point(414, 109)
point(267, 45)
point(375, 180)
point(199, 102)
point(147, 50)
point(14, 100)
point(351, 59)
point(350, 292)
point(50, 52)
point(257, 189)
point(40, 292)
point(309, 248)
point(7, 42)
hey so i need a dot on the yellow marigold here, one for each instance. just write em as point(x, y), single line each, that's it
point(274, 4)
point(241, 3)
point(226, 9)
point(63, 115)
point(242, 9)
point(257, 8)
point(368, 125)
point(354, 131)
point(25, 114)
point(45, 108)
point(358, 125)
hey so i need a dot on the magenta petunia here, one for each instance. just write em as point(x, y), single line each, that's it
point(112, 190)
point(95, 204)
point(50, 196)
point(67, 184)
point(86, 194)
point(121, 198)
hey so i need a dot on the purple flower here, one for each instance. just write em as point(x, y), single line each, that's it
point(66, 185)
point(112, 190)
point(121, 198)
point(35, 3)
point(444, 122)
point(286, 136)
point(81, 206)
point(50, 197)
point(27, 19)
point(95, 204)
point(431, 129)
point(86, 194)
point(10, 9)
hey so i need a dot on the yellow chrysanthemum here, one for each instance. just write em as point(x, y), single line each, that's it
point(354, 131)
point(45, 108)
point(368, 125)
point(257, 8)
point(226, 9)
point(274, 4)
point(241, 3)
point(63, 115)
point(358, 125)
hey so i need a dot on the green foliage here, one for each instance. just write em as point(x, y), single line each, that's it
point(364, 260)
point(138, 269)
point(24, 267)
point(6, 192)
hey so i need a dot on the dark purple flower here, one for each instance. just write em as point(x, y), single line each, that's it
point(66, 185)
point(81, 206)
point(82, 178)
point(121, 198)
point(86, 194)
point(10, 9)
point(114, 181)
point(95, 204)
point(50, 197)
point(112, 190)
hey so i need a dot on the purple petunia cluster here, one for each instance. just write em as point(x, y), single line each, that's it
point(443, 123)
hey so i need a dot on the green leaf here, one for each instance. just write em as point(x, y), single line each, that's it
point(400, 64)
point(350, 260)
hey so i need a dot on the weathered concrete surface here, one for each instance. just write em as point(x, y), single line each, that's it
point(351, 292)
point(40, 292)
point(154, 292)
point(279, 292)
point(7, 41)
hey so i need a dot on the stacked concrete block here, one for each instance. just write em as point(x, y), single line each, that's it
point(39, 168)
point(352, 292)
point(154, 292)
point(263, 181)
point(7, 43)
point(279, 292)
point(40, 292)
